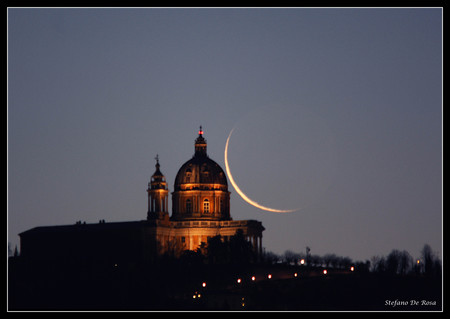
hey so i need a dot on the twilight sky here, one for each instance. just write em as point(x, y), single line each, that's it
point(336, 111)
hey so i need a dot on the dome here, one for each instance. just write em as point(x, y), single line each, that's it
point(200, 169)
point(200, 188)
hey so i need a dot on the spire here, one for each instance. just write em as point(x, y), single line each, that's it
point(200, 144)
point(157, 162)
point(157, 175)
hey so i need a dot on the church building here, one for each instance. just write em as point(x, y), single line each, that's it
point(200, 210)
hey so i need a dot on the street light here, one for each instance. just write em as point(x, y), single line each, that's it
point(325, 271)
point(204, 284)
point(253, 278)
point(269, 276)
point(239, 280)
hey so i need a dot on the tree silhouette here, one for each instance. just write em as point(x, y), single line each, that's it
point(432, 265)
point(290, 256)
point(241, 250)
point(217, 252)
point(236, 250)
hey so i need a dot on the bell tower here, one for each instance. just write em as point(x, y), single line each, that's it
point(157, 195)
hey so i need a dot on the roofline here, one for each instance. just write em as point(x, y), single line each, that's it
point(90, 225)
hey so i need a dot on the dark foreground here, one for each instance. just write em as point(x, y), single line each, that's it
point(193, 287)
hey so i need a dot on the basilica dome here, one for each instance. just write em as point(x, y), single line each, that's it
point(200, 172)
point(201, 188)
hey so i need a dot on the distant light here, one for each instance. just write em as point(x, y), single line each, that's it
point(269, 276)
point(302, 261)
point(295, 275)
point(199, 295)
point(239, 280)
point(325, 271)
point(204, 284)
point(418, 261)
point(253, 278)
point(352, 268)
point(200, 132)
point(115, 265)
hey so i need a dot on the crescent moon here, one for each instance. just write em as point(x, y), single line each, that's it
point(241, 193)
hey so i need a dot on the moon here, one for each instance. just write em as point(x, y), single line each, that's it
point(241, 193)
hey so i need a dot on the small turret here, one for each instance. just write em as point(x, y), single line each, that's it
point(157, 195)
point(200, 144)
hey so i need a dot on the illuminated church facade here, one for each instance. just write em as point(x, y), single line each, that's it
point(200, 210)
point(200, 206)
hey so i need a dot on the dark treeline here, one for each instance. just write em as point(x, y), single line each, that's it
point(402, 263)
point(170, 282)
point(397, 262)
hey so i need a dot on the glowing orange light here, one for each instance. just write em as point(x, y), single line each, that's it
point(200, 132)
point(325, 271)
point(302, 261)
point(253, 278)
point(239, 280)
point(418, 261)
point(204, 284)
point(352, 268)
point(269, 276)
point(295, 275)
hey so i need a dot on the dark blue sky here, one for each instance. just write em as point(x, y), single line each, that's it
point(337, 111)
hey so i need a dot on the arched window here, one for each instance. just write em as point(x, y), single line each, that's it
point(188, 206)
point(188, 175)
point(206, 206)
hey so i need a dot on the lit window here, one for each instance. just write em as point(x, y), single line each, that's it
point(206, 206)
